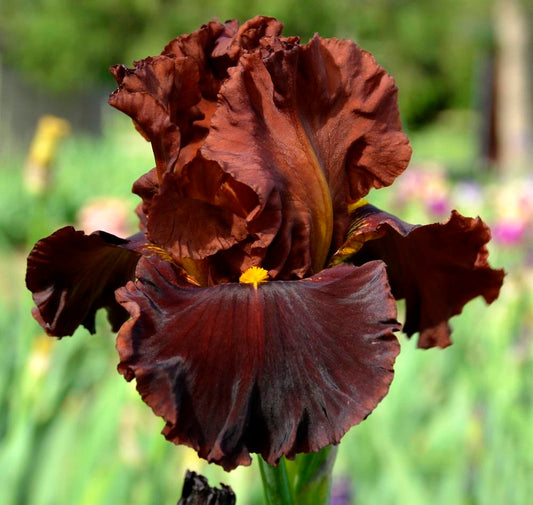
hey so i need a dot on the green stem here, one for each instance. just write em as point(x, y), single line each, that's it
point(276, 484)
point(311, 475)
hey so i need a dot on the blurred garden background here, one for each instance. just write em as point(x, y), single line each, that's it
point(457, 426)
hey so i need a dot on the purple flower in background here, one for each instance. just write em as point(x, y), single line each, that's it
point(426, 185)
point(468, 196)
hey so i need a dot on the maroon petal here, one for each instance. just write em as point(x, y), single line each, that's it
point(72, 275)
point(146, 186)
point(305, 128)
point(159, 95)
point(305, 125)
point(437, 268)
point(253, 34)
point(198, 220)
point(172, 97)
point(197, 47)
point(285, 368)
point(216, 47)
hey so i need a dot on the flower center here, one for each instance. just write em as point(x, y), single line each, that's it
point(254, 275)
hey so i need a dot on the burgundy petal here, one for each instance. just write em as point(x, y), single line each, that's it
point(253, 34)
point(195, 221)
point(312, 127)
point(437, 268)
point(159, 95)
point(215, 47)
point(72, 275)
point(171, 97)
point(285, 368)
point(146, 186)
point(197, 47)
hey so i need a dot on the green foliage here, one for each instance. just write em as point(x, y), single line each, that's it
point(431, 48)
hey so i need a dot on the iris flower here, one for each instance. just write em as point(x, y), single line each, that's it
point(256, 306)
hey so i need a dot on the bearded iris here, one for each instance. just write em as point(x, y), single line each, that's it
point(256, 307)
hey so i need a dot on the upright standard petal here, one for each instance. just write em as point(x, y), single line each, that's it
point(324, 113)
point(71, 275)
point(437, 268)
point(172, 97)
point(159, 95)
point(277, 369)
point(271, 113)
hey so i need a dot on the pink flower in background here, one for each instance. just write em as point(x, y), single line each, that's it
point(110, 214)
point(509, 232)
point(513, 207)
point(426, 184)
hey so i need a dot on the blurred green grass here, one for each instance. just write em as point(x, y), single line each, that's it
point(456, 426)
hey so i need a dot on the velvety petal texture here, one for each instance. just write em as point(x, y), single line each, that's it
point(437, 268)
point(71, 275)
point(283, 368)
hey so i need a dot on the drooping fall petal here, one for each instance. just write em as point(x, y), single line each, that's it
point(281, 369)
point(437, 268)
point(71, 275)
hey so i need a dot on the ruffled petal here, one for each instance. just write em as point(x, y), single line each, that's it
point(197, 47)
point(310, 126)
point(172, 97)
point(198, 221)
point(159, 95)
point(146, 186)
point(71, 275)
point(285, 368)
point(437, 268)
point(254, 102)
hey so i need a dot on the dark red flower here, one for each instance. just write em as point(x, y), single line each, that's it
point(436, 268)
point(261, 311)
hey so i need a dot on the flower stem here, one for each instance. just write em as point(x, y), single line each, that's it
point(276, 485)
point(304, 481)
point(311, 474)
